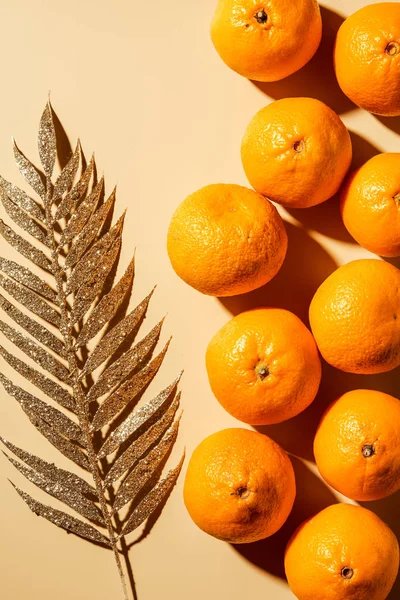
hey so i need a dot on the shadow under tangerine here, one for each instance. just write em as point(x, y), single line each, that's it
point(296, 283)
point(312, 496)
point(317, 77)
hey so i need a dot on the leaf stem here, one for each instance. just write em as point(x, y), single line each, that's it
point(78, 391)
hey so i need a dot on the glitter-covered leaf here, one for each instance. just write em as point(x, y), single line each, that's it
point(79, 189)
point(63, 520)
point(52, 389)
point(25, 248)
point(83, 241)
point(27, 278)
point(30, 300)
point(38, 354)
point(79, 219)
point(77, 298)
point(23, 220)
point(70, 450)
point(66, 178)
point(21, 199)
point(121, 368)
point(114, 338)
point(47, 141)
point(39, 332)
point(49, 470)
point(152, 500)
point(136, 420)
point(107, 307)
point(35, 407)
point(29, 172)
point(126, 392)
point(65, 494)
point(139, 477)
point(89, 291)
point(142, 444)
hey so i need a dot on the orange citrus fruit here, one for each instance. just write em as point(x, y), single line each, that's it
point(266, 40)
point(239, 486)
point(355, 317)
point(263, 366)
point(357, 445)
point(370, 204)
point(226, 239)
point(296, 151)
point(344, 552)
point(367, 58)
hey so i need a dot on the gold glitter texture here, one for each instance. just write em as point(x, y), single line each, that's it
point(23, 220)
point(47, 141)
point(39, 332)
point(107, 307)
point(27, 278)
point(71, 524)
point(153, 499)
point(25, 248)
point(21, 199)
point(52, 389)
point(142, 444)
point(126, 392)
point(79, 250)
point(123, 366)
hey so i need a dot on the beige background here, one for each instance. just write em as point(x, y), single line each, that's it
point(140, 84)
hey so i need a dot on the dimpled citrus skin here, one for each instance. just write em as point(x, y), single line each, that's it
point(226, 239)
point(239, 486)
point(355, 317)
point(269, 45)
point(272, 339)
point(370, 204)
point(348, 537)
point(357, 445)
point(296, 151)
point(365, 69)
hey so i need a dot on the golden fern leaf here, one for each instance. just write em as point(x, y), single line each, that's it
point(77, 248)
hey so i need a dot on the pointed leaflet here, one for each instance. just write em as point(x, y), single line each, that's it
point(142, 444)
point(136, 420)
point(63, 520)
point(94, 257)
point(37, 408)
point(67, 175)
point(73, 197)
point(29, 279)
point(67, 448)
point(146, 468)
point(79, 219)
point(24, 247)
point(38, 354)
point(121, 368)
point(48, 386)
point(23, 220)
point(86, 237)
point(29, 172)
point(89, 291)
point(30, 300)
point(47, 141)
point(117, 401)
point(50, 471)
point(153, 499)
point(40, 333)
point(21, 199)
point(107, 307)
point(110, 342)
point(64, 494)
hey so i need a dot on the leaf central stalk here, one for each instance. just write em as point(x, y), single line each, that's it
point(78, 391)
